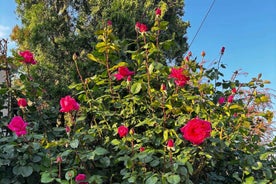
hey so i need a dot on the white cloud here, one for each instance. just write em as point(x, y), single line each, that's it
point(4, 31)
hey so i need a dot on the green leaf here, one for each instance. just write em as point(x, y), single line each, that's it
point(257, 166)
point(100, 151)
point(136, 87)
point(46, 178)
point(93, 58)
point(249, 180)
point(265, 155)
point(166, 135)
point(74, 143)
point(151, 180)
point(237, 107)
point(174, 179)
point(115, 142)
point(25, 171)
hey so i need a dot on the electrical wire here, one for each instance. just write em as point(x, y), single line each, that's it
point(202, 22)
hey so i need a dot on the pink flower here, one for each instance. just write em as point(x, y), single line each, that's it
point(170, 143)
point(142, 149)
point(28, 57)
point(234, 90)
point(180, 78)
point(22, 102)
point(68, 104)
point(230, 98)
point(123, 72)
point(158, 12)
point(80, 177)
point(222, 50)
point(196, 131)
point(67, 129)
point(59, 159)
point(18, 125)
point(187, 58)
point(109, 23)
point(141, 27)
point(190, 53)
point(122, 131)
point(221, 100)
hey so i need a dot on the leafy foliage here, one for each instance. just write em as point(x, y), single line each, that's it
point(151, 107)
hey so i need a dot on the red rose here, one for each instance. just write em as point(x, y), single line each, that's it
point(67, 129)
point(142, 149)
point(158, 12)
point(80, 177)
point(137, 26)
point(123, 72)
point(196, 130)
point(234, 90)
point(180, 78)
point(109, 23)
point(28, 57)
point(170, 143)
point(122, 131)
point(68, 104)
point(221, 100)
point(230, 99)
point(18, 125)
point(143, 28)
point(22, 102)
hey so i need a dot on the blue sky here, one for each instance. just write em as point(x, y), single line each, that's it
point(246, 28)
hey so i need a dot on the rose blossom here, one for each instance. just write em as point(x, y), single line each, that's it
point(234, 90)
point(80, 177)
point(122, 131)
point(59, 159)
point(170, 143)
point(196, 130)
point(221, 100)
point(180, 78)
point(28, 57)
point(68, 104)
point(109, 23)
point(230, 99)
point(18, 125)
point(22, 102)
point(123, 72)
point(158, 12)
point(141, 27)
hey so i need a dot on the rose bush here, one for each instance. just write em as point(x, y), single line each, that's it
point(165, 125)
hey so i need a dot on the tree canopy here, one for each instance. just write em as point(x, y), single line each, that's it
point(55, 30)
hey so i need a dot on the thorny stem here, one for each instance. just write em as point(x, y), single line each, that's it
point(85, 87)
point(108, 72)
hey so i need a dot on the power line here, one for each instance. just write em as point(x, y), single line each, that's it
point(202, 22)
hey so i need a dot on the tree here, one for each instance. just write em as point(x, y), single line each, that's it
point(55, 30)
